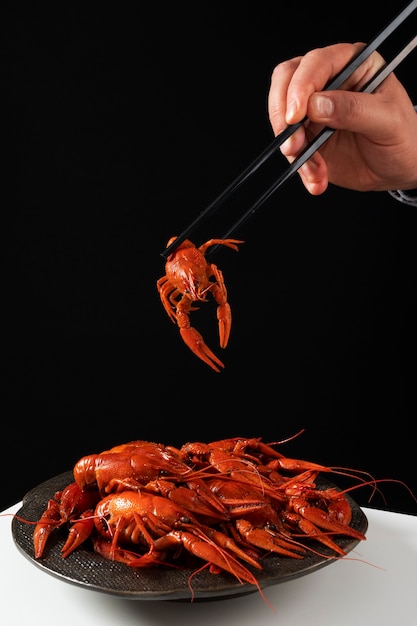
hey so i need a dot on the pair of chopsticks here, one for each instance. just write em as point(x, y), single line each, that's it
point(315, 144)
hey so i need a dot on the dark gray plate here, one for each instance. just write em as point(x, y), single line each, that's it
point(89, 570)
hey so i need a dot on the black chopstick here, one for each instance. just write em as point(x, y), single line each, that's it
point(335, 83)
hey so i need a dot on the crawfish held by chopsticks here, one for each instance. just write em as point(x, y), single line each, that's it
point(190, 278)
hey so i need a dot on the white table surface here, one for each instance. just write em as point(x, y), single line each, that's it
point(376, 584)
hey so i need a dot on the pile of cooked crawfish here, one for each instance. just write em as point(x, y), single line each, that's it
point(225, 504)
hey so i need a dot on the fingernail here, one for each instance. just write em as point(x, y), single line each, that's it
point(291, 111)
point(324, 106)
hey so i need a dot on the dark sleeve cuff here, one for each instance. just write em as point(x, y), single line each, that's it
point(406, 197)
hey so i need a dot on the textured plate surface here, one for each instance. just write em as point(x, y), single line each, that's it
point(89, 570)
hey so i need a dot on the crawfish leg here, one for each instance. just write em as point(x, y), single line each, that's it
point(168, 296)
point(230, 243)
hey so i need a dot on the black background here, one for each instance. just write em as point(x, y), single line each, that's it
point(121, 126)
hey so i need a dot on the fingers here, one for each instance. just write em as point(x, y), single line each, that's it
point(295, 80)
point(278, 94)
point(313, 173)
point(295, 95)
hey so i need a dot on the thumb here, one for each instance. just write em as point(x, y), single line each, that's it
point(347, 110)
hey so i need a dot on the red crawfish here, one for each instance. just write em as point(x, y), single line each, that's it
point(190, 278)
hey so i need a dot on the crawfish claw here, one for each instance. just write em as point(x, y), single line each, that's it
point(79, 532)
point(50, 520)
point(224, 316)
point(193, 339)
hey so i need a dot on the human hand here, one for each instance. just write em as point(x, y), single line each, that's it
point(374, 146)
